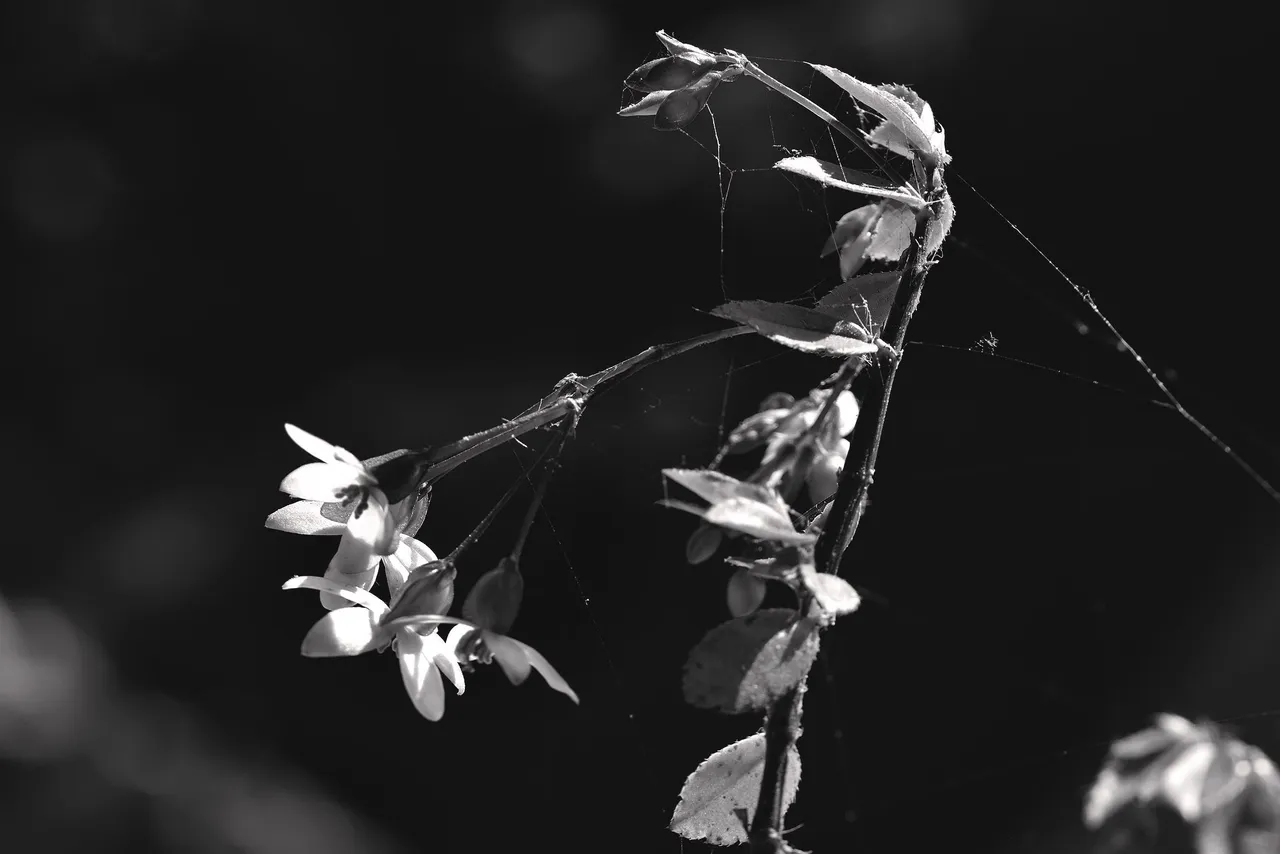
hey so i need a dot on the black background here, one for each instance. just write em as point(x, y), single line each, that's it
point(397, 224)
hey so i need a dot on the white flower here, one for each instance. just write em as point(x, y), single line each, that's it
point(423, 654)
point(370, 531)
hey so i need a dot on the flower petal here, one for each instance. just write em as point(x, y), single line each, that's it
point(408, 556)
point(445, 659)
point(549, 673)
point(371, 522)
point(321, 482)
point(457, 635)
point(421, 678)
point(509, 655)
point(313, 445)
point(354, 564)
point(322, 450)
point(346, 631)
point(303, 517)
point(353, 594)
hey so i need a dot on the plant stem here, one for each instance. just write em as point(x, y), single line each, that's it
point(781, 729)
point(859, 471)
point(571, 395)
point(540, 490)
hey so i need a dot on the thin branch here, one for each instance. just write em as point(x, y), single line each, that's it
point(571, 395)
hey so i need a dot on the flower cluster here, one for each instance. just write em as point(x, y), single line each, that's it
point(377, 506)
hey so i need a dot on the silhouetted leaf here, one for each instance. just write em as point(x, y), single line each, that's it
point(865, 299)
point(747, 662)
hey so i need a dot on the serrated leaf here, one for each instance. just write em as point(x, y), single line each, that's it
point(893, 233)
point(718, 800)
point(923, 138)
point(749, 661)
point(890, 136)
point(756, 519)
point(834, 175)
point(939, 226)
point(867, 299)
point(804, 329)
point(835, 595)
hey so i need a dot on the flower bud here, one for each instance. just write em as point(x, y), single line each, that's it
point(778, 400)
point(745, 592)
point(494, 601)
point(846, 414)
point(683, 105)
point(428, 590)
point(669, 72)
point(753, 432)
point(703, 544)
point(824, 476)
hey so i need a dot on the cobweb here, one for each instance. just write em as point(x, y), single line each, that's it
point(791, 131)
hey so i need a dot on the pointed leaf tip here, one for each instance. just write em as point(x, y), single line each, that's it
point(834, 175)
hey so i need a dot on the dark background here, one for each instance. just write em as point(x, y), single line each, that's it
point(394, 224)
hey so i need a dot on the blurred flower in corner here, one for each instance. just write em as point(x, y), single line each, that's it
point(47, 683)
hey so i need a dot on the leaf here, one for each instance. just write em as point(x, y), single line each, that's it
point(851, 226)
point(703, 543)
point(893, 233)
point(866, 299)
point(749, 661)
point(745, 592)
point(713, 486)
point(940, 225)
point(833, 593)
point(718, 800)
point(756, 519)
point(923, 137)
point(834, 175)
point(805, 329)
point(888, 134)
